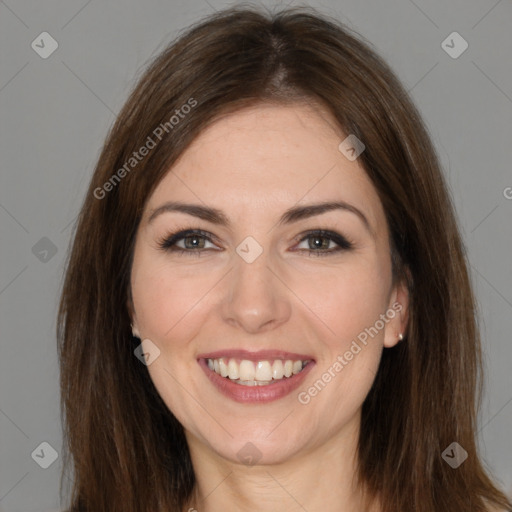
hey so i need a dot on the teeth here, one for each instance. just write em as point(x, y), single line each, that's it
point(262, 373)
point(247, 371)
point(234, 373)
point(223, 368)
point(277, 369)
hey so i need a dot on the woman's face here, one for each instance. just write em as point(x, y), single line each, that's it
point(258, 288)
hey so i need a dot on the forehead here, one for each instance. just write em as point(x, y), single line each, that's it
point(266, 159)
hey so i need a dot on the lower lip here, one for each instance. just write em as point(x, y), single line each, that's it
point(255, 394)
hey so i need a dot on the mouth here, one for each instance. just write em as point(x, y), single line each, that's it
point(261, 373)
point(256, 377)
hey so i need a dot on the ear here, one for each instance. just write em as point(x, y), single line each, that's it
point(133, 317)
point(135, 329)
point(398, 314)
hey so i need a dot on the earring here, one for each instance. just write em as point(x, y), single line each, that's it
point(400, 336)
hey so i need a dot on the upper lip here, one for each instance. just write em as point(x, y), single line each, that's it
point(260, 355)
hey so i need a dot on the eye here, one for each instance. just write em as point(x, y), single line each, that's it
point(193, 242)
point(321, 239)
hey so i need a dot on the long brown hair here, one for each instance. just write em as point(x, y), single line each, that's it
point(126, 449)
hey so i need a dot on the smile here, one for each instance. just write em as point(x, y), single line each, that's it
point(255, 377)
point(260, 373)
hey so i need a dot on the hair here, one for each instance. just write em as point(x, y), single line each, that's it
point(126, 449)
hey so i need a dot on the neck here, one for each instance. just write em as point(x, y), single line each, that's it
point(319, 479)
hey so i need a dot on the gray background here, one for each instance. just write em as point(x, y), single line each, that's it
point(55, 115)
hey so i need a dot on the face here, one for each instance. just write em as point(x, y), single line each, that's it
point(252, 286)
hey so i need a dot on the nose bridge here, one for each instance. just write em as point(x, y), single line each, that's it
point(255, 300)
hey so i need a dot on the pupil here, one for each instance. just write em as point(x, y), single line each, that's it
point(317, 241)
point(195, 240)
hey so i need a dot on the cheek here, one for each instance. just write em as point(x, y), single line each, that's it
point(170, 312)
point(347, 299)
point(167, 302)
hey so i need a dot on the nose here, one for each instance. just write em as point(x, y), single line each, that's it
point(256, 298)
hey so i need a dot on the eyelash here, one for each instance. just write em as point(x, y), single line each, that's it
point(168, 243)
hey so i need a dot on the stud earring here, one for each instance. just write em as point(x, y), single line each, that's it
point(400, 336)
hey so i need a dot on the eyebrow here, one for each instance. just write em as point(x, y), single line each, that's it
point(294, 214)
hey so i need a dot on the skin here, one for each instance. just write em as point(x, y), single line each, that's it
point(253, 165)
